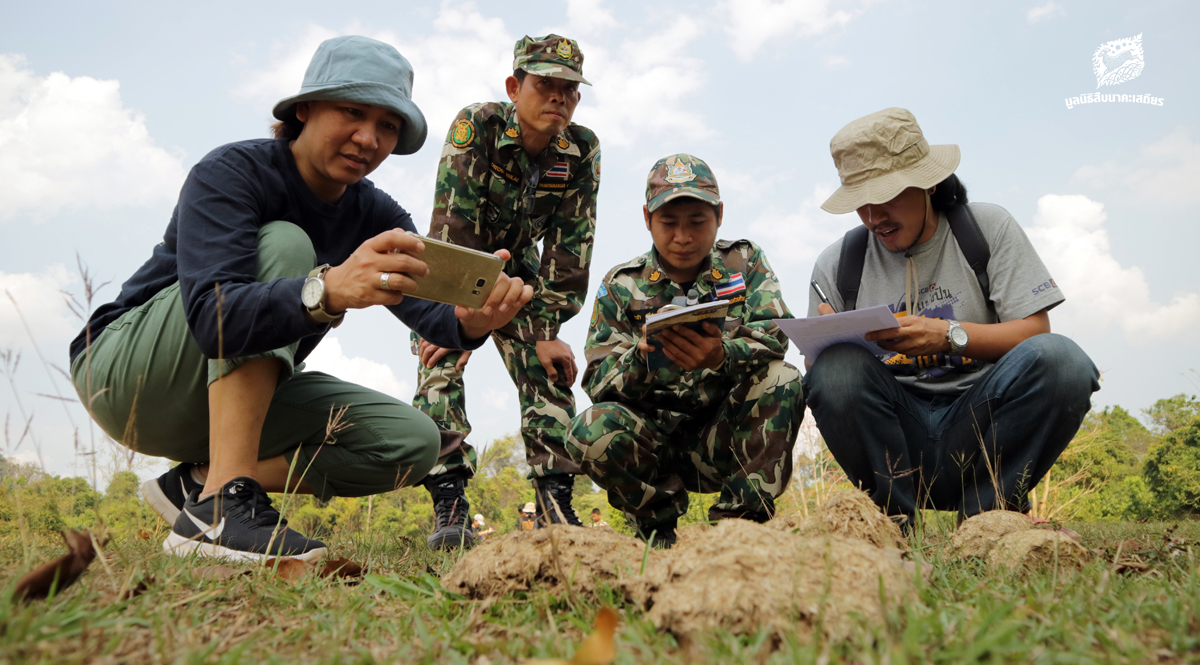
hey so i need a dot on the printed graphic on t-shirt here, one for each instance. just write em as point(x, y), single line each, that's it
point(933, 302)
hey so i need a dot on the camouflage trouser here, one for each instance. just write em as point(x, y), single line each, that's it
point(740, 447)
point(546, 409)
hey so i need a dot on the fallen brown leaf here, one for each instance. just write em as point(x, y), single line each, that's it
point(65, 569)
point(288, 569)
point(217, 572)
point(596, 649)
point(1131, 567)
point(143, 534)
point(341, 567)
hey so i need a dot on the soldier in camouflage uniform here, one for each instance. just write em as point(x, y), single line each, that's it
point(511, 175)
point(724, 415)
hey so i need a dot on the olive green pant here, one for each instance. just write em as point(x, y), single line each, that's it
point(148, 382)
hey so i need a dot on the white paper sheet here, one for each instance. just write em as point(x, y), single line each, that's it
point(815, 334)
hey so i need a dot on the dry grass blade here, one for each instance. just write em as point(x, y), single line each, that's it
point(217, 572)
point(61, 572)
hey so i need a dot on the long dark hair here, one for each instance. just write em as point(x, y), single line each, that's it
point(950, 193)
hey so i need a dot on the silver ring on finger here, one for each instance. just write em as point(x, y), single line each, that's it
point(383, 281)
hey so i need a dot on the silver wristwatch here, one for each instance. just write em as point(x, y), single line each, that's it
point(314, 297)
point(957, 336)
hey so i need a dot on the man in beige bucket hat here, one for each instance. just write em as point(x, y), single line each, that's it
point(973, 353)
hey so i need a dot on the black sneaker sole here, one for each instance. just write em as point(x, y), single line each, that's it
point(180, 546)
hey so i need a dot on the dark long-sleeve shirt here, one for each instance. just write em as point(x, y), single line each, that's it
point(213, 239)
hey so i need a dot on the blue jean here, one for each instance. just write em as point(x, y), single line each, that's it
point(979, 450)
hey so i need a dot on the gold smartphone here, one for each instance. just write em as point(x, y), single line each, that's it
point(457, 275)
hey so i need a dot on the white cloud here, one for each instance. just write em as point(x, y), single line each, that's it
point(635, 98)
point(42, 305)
point(801, 234)
point(586, 18)
point(755, 24)
point(330, 359)
point(1045, 12)
point(70, 143)
point(1163, 172)
point(1070, 237)
point(835, 61)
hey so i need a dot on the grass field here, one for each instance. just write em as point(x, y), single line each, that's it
point(400, 614)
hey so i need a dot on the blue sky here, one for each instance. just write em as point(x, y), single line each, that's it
point(105, 106)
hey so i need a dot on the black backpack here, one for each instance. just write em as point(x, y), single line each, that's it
point(962, 225)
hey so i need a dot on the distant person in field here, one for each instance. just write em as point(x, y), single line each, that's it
point(974, 399)
point(723, 411)
point(480, 527)
point(597, 518)
point(527, 517)
point(272, 242)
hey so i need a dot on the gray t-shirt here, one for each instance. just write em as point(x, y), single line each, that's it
point(1020, 286)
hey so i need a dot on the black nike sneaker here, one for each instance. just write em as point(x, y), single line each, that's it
point(451, 510)
point(554, 500)
point(167, 493)
point(237, 522)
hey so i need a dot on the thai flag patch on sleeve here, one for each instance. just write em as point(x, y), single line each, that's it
point(735, 284)
point(558, 171)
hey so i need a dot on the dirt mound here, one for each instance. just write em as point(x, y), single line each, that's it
point(685, 535)
point(1036, 549)
point(551, 558)
point(849, 513)
point(976, 535)
point(741, 576)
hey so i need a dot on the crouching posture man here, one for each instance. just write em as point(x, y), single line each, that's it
point(724, 414)
point(271, 243)
point(975, 399)
point(513, 175)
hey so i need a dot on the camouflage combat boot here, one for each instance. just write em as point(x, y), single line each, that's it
point(660, 535)
point(452, 528)
point(554, 500)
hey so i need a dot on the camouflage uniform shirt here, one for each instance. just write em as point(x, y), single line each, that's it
point(616, 372)
point(492, 194)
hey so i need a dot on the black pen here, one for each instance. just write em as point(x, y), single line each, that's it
point(821, 295)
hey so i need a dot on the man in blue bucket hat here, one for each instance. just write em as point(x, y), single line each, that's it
point(272, 241)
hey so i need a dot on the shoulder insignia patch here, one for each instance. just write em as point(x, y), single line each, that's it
point(464, 131)
point(596, 166)
point(512, 132)
point(654, 276)
point(563, 144)
point(602, 291)
point(716, 274)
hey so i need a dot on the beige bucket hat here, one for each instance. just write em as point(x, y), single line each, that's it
point(882, 154)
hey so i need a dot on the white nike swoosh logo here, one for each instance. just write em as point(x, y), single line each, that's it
point(211, 532)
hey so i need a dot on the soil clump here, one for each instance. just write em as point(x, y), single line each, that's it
point(561, 559)
point(976, 535)
point(849, 513)
point(1036, 549)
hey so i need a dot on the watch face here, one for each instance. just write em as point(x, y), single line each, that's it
point(311, 293)
point(958, 337)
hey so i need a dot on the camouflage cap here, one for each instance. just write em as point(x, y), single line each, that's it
point(680, 175)
point(553, 55)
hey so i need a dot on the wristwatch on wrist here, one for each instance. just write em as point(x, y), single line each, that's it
point(957, 336)
point(314, 297)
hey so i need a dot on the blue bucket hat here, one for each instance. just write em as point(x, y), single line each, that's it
point(365, 71)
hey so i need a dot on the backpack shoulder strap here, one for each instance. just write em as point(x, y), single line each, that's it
point(972, 243)
point(850, 265)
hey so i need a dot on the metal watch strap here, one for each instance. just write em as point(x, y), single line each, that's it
point(318, 313)
point(950, 336)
